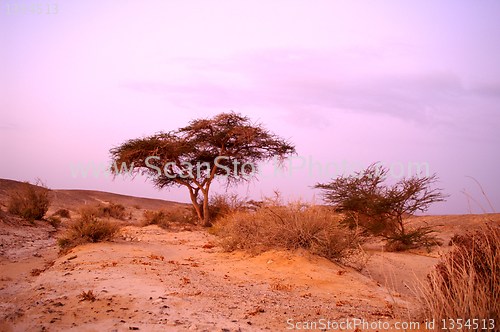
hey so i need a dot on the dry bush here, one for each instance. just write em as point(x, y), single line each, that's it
point(87, 228)
point(182, 215)
point(30, 202)
point(292, 226)
point(54, 220)
point(88, 212)
point(111, 210)
point(156, 218)
point(466, 284)
point(224, 205)
point(63, 213)
point(164, 218)
point(412, 238)
point(381, 209)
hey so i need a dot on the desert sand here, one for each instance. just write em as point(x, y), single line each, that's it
point(152, 279)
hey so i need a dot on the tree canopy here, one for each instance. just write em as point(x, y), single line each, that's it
point(227, 146)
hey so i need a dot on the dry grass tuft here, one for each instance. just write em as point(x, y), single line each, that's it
point(30, 202)
point(87, 296)
point(55, 221)
point(292, 226)
point(224, 205)
point(280, 286)
point(466, 284)
point(63, 213)
point(87, 228)
point(111, 210)
point(156, 218)
point(165, 218)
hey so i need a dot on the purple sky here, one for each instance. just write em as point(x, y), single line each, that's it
point(349, 82)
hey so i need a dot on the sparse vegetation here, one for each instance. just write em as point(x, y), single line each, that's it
point(111, 210)
point(280, 286)
point(87, 296)
point(88, 228)
point(224, 205)
point(380, 209)
point(164, 218)
point(54, 220)
point(30, 202)
point(291, 226)
point(87, 212)
point(465, 284)
point(63, 213)
point(156, 218)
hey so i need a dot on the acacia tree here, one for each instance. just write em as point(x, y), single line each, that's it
point(228, 146)
point(381, 209)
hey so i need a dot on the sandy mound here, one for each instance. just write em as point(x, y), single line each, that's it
point(156, 280)
point(151, 279)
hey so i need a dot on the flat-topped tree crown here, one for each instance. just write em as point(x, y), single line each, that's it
point(227, 145)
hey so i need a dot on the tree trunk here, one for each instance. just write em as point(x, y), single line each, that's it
point(196, 206)
point(206, 214)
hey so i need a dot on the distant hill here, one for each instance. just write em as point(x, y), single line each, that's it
point(75, 198)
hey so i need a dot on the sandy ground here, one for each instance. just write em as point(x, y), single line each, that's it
point(154, 280)
point(151, 279)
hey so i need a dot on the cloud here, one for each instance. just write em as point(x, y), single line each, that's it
point(490, 89)
point(299, 82)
